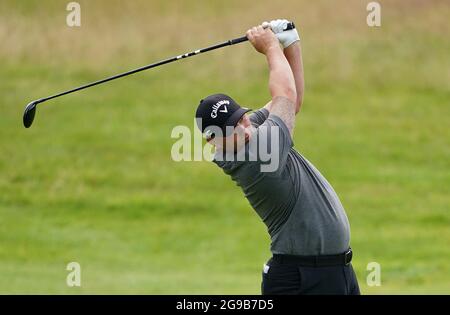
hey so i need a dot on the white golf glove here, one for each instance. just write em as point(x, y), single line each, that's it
point(286, 38)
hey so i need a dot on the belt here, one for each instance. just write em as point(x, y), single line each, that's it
point(314, 261)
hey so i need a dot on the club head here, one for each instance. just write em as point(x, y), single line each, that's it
point(30, 112)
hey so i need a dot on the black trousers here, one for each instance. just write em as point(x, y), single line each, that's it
point(291, 279)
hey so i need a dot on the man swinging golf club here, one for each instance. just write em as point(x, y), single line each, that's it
point(306, 221)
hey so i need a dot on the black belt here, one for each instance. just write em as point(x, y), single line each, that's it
point(314, 261)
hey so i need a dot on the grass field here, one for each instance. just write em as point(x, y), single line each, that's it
point(93, 180)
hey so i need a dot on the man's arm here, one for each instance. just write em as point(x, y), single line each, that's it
point(281, 79)
point(293, 55)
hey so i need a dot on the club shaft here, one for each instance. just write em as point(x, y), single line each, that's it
point(153, 65)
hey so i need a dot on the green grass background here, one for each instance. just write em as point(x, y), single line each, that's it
point(93, 180)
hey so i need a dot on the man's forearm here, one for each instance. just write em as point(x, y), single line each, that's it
point(281, 78)
point(294, 57)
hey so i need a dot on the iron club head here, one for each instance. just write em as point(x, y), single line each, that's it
point(30, 112)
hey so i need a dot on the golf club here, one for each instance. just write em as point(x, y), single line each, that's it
point(30, 109)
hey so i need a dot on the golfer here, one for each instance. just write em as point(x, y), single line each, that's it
point(308, 226)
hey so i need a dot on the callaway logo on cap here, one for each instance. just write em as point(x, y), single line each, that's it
point(217, 106)
point(219, 111)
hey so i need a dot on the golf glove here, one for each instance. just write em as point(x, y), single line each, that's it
point(286, 38)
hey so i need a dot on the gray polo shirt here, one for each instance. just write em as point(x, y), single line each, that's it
point(302, 212)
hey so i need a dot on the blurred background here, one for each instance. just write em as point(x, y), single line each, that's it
point(93, 180)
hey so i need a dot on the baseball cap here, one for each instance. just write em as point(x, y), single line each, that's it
point(218, 111)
